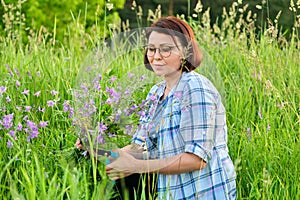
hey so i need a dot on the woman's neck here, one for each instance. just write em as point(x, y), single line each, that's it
point(172, 80)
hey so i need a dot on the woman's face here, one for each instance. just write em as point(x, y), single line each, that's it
point(163, 54)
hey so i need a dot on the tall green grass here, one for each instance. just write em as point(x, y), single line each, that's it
point(262, 86)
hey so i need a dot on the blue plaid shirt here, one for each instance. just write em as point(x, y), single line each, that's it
point(191, 119)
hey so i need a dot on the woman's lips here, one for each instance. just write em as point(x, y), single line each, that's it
point(158, 65)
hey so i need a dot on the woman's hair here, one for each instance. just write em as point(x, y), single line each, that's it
point(178, 28)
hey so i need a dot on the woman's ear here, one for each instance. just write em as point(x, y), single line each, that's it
point(184, 53)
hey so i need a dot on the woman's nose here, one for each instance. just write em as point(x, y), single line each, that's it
point(157, 54)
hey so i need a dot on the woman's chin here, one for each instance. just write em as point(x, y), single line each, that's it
point(159, 73)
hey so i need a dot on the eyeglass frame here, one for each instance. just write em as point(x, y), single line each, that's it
point(154, 49)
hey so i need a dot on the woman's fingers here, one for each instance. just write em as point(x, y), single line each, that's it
point(108, 169)
point(115, 175)
point(120, 167)
point(78, 144)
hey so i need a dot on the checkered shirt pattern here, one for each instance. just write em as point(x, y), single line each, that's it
point(193, 120)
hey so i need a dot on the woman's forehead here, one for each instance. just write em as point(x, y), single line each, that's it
point(160, 38)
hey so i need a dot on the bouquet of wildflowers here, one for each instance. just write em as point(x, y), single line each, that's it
point(107, 100)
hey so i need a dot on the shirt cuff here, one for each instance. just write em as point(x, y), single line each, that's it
point(194, 148)
point(138, 140)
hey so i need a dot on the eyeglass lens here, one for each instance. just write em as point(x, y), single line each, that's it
point(164, 50)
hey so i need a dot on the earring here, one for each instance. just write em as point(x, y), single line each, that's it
point(183, 65)
point(182, 61)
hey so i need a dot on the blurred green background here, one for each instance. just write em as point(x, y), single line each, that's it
point(56, 16)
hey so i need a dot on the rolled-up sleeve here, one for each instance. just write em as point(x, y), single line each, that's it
point(197, 123)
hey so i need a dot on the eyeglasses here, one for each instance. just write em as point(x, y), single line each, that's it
point(164, 50)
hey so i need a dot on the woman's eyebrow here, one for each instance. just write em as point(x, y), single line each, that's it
point(161, 44)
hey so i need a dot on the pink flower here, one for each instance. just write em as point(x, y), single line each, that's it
point(85, 153)
point(41, 109)
point(50, 103)
point(100, 139)
point(141, 113)
point(12, 134)
point(7, 121)
point(248, 130)
point(130, 75)
point(2, 89)
point(143, 77)
point(127, 92)
point(19, 127)
point(112, 79)
point(102, 127)
point(37, 94)
point(53, 92)
point(19, 108)
point(25, 118)
point(66, 106)
point(109, 101)
point(25, 92)
point(17, 72)
point(27, 108)
point(43, 124)
point(9, 144)
point(8, 99)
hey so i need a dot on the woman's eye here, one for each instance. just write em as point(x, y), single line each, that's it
point(151, 49)
point(165, 49)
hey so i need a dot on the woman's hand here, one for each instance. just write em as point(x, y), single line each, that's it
point(123, 166)
point(78, 144)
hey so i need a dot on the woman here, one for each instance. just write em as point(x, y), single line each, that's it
point(183, 135)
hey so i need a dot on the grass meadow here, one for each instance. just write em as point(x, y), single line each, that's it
point(261, 79)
